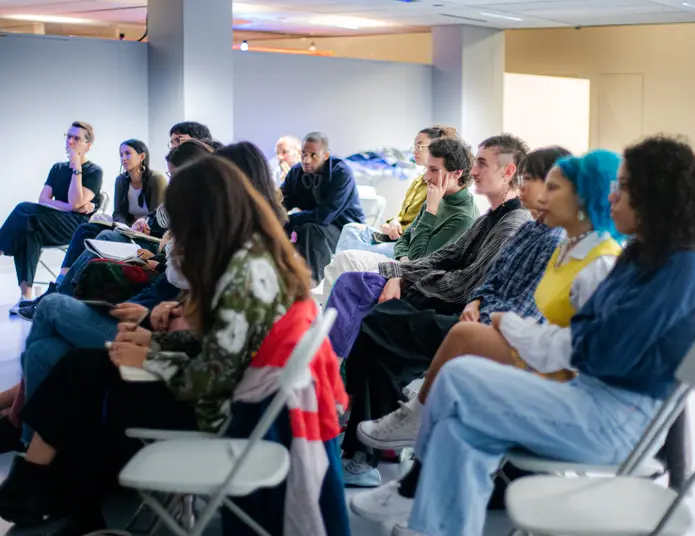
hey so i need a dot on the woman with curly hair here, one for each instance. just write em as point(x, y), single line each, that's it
point(626, 343)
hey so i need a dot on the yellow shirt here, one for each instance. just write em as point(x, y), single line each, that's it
point(414, 199)
point(553, 295)
point(553, 292)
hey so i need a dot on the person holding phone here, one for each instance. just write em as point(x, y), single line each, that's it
point(69, 197)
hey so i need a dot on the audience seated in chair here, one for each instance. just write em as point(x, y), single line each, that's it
point(448, 212)
point(363, 237)
point(155, 225)
point(69, 197)
point(625, 342)
point(138, 189)
point(243, 276)
point(324, 191)
point(62, 323)
point(439, 283)
point(576, 199)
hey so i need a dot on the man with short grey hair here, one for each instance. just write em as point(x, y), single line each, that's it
point(322, 194)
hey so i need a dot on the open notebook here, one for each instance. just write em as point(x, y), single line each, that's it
point(114, 251)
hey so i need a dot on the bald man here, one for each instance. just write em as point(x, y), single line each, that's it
point(288, 150)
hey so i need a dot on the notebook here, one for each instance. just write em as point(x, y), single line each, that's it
point(135, 234)
point(115, 251)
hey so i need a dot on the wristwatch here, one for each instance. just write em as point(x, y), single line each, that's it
point(77, 172)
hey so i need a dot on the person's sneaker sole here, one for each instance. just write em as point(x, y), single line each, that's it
point(394, 444)
point(376, 516)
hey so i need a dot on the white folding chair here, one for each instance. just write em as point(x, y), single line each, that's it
point(372, 204)
point(220, 468)
point(625, 504)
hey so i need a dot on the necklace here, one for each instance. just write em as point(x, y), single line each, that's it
point(569, 245)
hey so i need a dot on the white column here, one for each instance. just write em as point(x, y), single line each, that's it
point(468, 80)
point(190, 68)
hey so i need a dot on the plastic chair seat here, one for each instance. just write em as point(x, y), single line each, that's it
point(625, 506)
point(527, 461)
point(200, 466)
point(151, 434)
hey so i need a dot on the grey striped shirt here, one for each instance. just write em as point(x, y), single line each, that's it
point(442, 275)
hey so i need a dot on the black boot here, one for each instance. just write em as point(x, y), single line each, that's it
point(10, 437)
point(22, 493)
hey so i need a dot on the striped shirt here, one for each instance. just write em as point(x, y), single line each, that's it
point(453, 273)
point(511, 283)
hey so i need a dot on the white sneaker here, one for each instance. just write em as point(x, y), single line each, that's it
point(381, 504)
point(402, 530)
point(357, 472)
point(396, 430)
point(413, 388)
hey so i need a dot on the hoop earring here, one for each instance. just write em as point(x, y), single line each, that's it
point(142, 168)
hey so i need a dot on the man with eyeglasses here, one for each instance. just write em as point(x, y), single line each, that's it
point(69, 197)
point(323, 193)
point(187, 130)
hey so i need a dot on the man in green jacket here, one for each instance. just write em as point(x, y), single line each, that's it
point(448, 212)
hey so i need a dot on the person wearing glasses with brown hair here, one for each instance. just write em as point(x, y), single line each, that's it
point(69, 197)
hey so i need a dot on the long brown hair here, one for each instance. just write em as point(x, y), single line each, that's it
point(214, 211)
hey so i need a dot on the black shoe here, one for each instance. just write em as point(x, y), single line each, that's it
point(22, 499)
point(27, 313)
point(10, 437)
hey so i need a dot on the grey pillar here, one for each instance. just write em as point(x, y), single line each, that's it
point(468, 80)
point(189, 68)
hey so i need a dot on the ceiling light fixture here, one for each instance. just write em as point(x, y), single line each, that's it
point(350, 23)
point(240, 8)
point(506, 17)
point(244, 47)
point(50, 19)
point(312, 46)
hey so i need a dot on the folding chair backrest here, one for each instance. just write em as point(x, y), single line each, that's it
point(295, 374)
point(667, 415)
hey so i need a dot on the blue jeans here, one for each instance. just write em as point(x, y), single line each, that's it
point(478, 410)
point(61, 323)
point(360, 236)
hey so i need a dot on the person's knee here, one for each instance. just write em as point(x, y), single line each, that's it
point(23, 210)
point(52, 306)
point(113, 236)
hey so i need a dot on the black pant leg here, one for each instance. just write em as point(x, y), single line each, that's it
point(84, 232)
point(396, 345)
point(317, 243)
point(45, 227)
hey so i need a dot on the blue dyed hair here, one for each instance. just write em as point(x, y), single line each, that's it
point(592, 175)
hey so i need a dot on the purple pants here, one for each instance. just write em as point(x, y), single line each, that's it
point(353, 296)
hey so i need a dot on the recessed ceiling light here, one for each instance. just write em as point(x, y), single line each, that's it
point(350, 23)
point(506, 17)
point(50, 18)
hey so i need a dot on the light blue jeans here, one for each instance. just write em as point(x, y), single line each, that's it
point(478, 410)
point(61, 323)
point(361, 237)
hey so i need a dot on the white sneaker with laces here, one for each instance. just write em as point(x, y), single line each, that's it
point(357, 472)
point(381, 504)
point(402, 530)
point(397, 430)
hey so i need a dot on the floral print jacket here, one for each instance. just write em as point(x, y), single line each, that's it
point(205, 370)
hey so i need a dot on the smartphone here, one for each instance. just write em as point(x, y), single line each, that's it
point(100, 304)
point(381, 238)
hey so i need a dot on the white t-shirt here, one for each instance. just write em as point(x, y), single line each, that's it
point(134, 208)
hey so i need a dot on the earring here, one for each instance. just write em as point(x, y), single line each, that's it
point(581, 216)
point(142, 168)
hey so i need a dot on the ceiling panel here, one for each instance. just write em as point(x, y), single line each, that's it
point(349, 17)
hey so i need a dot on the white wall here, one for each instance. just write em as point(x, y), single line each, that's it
point(48, 82)
point(548, 110)
point(359, 104)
